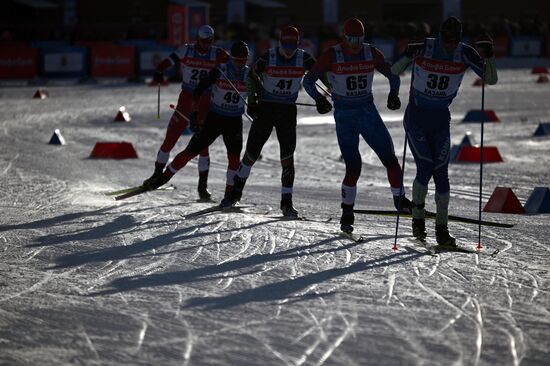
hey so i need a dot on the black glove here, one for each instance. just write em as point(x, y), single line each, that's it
point(194, 121)
point(485, 45)
point(393, 100)
point(323, 105)
point(252, 109)
point(158, 76)
point(413, 48)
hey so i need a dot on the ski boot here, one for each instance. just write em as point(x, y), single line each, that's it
point(228, 202)
point(159, 168)
point(286, 206)
point(419, 229)
point(406, 204)
point(443, 238)
point(347, 219)
point(204, 193)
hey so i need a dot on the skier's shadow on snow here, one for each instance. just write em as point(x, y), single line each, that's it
point(248, 265)
point(284, 290)
point(57, 220)
point(135, 250)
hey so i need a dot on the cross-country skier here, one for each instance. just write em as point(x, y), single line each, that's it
point(438, 67)
point(350, 66)
point(229, 90)
point(274, 87)
point(196, 60)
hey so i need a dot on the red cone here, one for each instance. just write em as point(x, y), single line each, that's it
point(41, 94)
point(471, 154)
point(122, 115)
point(113, 150)
point(539, 70)
point(504, 200)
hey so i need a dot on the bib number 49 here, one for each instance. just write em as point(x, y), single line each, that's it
point(231, 97)
point(439, 82)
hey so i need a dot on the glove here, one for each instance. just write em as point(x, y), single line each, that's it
point(323, 105)
point(393, 100)
point(158, 76)
point(485, 45)
point(252, 109)
point(194, 121)
point(413, 48)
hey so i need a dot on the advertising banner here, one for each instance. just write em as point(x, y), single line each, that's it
point(526, 46)
point(112, 61)
point(64, 62)
point(177, 25)
point(18, 63)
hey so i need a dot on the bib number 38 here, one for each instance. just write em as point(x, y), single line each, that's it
point(439, 82)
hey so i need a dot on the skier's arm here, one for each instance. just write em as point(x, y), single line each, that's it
point(317, 72)
point(206, 83)
point(309, 62)
point(476, 62)
point(253, 82)
point(403, 61)
point(384, 67)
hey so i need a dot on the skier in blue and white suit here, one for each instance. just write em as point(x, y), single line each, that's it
point(438, 66)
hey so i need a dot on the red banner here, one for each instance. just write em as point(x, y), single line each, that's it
point(112, 61)
point(501, 46)
point(177, 25)
point(18, 63)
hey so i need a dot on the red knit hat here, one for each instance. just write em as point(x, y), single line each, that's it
point(290, 37)
point(353, 27)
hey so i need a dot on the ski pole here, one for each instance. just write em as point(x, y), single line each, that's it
point(179, 113)
point(401, 193)
point(278, 102)
point(479, 247)
point(322, 88)
point(158, 100)
point(234, 88)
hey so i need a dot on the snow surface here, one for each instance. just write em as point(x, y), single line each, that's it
point(87, 280)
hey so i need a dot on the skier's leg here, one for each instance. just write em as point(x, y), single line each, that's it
point(204, 156)
point(377, 136)
point(348, 140)
point(233, 140)
point(286, 134)
point(259, 132)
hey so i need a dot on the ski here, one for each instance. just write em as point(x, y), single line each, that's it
point(133, 192)
point(131, 189)
point(301, 218)
point(435, 248)
point(217, 208)
point(353, 237)
point(431, 215)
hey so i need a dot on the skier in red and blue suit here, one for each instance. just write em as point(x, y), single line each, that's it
point(438, 66)
point(196, 61)
point(228, 85)
point(350, 67)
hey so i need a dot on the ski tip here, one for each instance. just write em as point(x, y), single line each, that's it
point(172, 106)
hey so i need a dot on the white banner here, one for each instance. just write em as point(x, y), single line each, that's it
point(148, 60)
point(526, 47)
point(64, 62)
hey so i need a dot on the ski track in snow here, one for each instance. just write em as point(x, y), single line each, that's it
point(142, 285)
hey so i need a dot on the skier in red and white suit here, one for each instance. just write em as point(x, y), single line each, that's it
point(196, 61)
